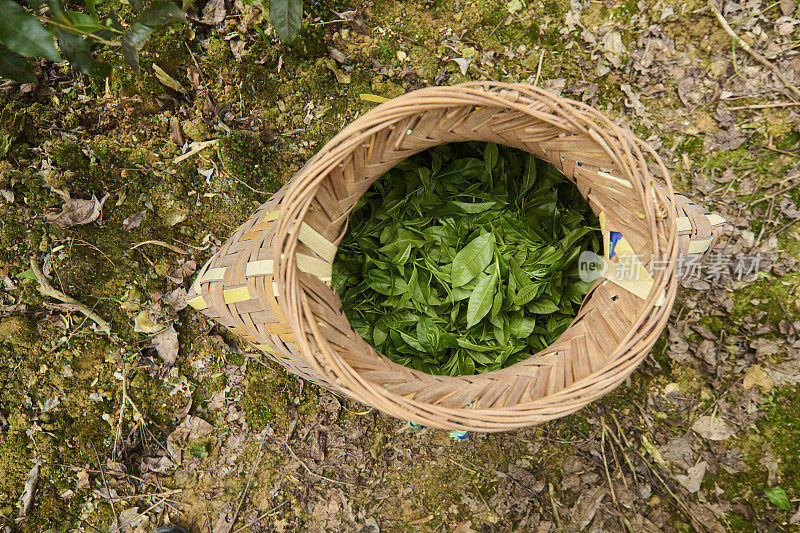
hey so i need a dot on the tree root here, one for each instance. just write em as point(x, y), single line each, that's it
point(48, 290)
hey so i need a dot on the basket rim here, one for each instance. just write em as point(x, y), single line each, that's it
point(626, 150)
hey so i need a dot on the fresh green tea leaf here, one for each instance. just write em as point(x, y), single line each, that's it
point(286, 16)
point(15, 67)
point(439, 305)
point(80, 55)
point(480, 302)
point(23, 34)
point(472, 259)
point(778, 496)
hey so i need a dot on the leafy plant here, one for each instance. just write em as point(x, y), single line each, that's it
point(778, 496)
point(25, 32)
point(285, 16)
point(463, 259)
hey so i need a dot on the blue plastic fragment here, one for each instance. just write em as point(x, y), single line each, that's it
point(414, 425)
point(459, 435)
point(614, 237)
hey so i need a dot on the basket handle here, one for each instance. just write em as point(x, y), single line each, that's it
point(698, 230)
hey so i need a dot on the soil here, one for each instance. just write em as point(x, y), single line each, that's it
point(126, 433)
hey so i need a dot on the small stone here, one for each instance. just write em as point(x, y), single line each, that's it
point(19, 331)
point(402, 56)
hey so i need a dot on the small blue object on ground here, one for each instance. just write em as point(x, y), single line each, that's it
point(459, 435)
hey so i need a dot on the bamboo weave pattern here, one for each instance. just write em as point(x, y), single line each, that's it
point(270, 282)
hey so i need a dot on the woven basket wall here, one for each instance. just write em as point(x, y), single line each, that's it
point(270, 282)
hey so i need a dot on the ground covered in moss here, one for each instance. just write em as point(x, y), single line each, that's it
point(135, 430)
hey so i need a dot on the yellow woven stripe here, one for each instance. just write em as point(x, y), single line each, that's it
point(279, 328)
point(232, 296)
point(198, 278)
point(198, 303)
point(698, 247)
point(214, 274)
point(264, 348)
point(290, 338)
point(316, 267)
point(634, 278)
point(270, 216)
point(259, 268)
point(316, 242)
point(715, 220)
point(683, 223)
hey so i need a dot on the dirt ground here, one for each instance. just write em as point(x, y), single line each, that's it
point(172, 419)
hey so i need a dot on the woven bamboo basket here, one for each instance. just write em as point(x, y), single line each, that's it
point(270, 282)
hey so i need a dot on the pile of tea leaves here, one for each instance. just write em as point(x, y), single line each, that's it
point(464, 259)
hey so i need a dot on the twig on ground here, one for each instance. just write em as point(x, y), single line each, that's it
point(262, 516)
point(550, 491)
point(161, 243)
point(307, 469)
point(247, 487)
point(747, 48)
point(762, 106)
point(48, 290)
point(108, 490)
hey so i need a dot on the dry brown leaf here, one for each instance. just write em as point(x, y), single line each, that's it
point(29, 491)
point(133, 221)
point(694, 477)
point(192, 427)
point(713, 428)
point(756, 377)
point(765, 347)
point(214, 12)
point(175, 131)
point(76, 212)
point(176, 300)
point(186, 269)
point(147, 322)
point(166, 344)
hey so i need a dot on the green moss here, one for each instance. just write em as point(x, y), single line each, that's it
point(249, 160)
point(267, 396)
point(19, 331)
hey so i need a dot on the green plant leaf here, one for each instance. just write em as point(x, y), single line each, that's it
point(472, 259)
point(158, 14)
point(428, 335)
point(543, 306)
point(778, 496)
point(80, 55)
point(162, 12)
point(57, 9)
point(27, 274)
point(15, 67)
point(83, 22)
point(90, 7)
point(481, 300)
point(490, 156)
point(23, 34)
point(132, 42)
point(286, 16)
